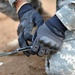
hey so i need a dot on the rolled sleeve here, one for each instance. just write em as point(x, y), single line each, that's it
point(67, 15)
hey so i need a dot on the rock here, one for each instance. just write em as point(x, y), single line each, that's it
point(11, 46)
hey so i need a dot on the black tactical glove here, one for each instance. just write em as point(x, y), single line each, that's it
point(29, 17)
point(49, 37)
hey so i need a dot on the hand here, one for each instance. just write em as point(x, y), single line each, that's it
point(47, 41)
point(27, 21)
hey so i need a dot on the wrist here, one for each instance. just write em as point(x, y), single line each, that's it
point(19, 3)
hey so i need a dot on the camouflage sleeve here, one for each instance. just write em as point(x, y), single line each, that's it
point(6, 9)
point(67, 14)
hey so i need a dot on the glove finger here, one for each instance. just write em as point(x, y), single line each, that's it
point(41, 51)
point(34, 36)
point(44, 41)
point(27, 53)
point(38, 48)
point(35, 46)
point(23, 43)
point(27, 36)
point(52, 44)
point(47, 42)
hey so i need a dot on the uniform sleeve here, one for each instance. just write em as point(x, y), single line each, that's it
point(67, 15)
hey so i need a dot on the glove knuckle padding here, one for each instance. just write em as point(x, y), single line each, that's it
point(53, 40)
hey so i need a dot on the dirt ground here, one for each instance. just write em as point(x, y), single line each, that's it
point(20, 64)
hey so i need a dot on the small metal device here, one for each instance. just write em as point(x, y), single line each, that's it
point(15, 51)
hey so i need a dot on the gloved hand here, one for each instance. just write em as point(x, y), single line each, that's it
point(29, 17)
point(49, 37)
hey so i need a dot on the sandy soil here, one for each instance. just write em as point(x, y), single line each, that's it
point(20, 64)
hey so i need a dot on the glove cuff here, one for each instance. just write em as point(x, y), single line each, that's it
point(54, 22)
point(24, 9)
